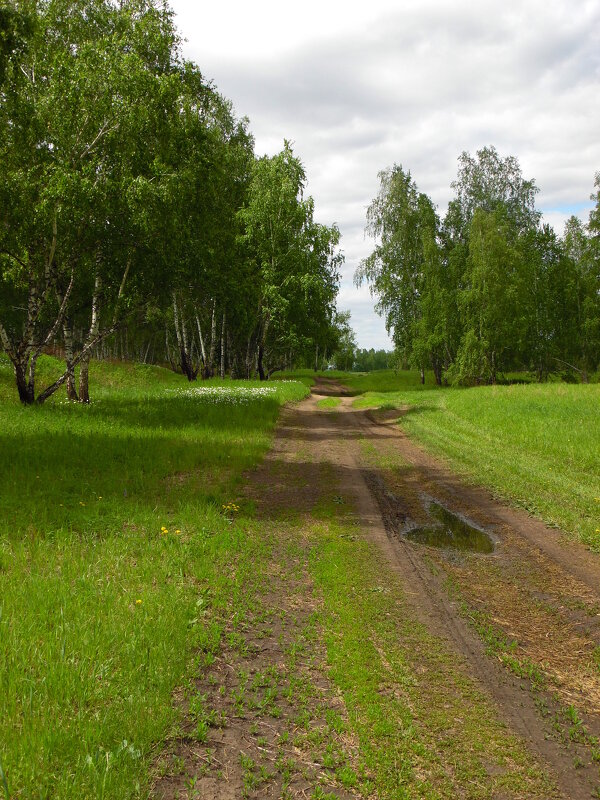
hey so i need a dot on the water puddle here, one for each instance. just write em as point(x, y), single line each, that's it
point(451, 531)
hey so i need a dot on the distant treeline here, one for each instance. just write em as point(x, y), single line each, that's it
point(370, 360)
point(488, 289)
point(135, 218)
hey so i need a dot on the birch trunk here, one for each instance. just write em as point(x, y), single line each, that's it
point(201, 338)
point(223, 347)
point(84, 369)
point(69, 355)
point(213, 342)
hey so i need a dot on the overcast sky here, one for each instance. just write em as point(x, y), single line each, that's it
point(357, 88)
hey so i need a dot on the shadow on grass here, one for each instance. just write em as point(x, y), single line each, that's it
point(91, 469)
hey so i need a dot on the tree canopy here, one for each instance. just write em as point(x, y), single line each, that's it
point(489, 289)
point(134, 212)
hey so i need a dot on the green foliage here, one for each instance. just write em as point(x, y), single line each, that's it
point(369, 360)
point(344, 348)
point(296, 259)
point(491, 290)
point(131, 198)
point(402, 218)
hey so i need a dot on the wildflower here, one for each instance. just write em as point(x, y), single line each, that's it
point(178, 532)
point(81, 504)
point(138, 602)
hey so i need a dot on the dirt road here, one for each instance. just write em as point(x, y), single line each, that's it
point(523, 622)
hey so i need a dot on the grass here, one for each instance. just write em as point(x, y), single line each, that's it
point(114, 545)
point(125, 544)
point(537, 445)
point(329, 402)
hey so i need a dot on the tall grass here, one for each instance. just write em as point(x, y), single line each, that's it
point(113, 544)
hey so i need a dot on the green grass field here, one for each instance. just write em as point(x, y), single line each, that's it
point(117, 555)
point(113, 537)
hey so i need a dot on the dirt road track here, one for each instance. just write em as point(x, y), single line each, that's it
point(539, 594)
point(540, 588)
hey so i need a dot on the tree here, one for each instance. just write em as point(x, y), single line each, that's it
point(484, 242)
point(402, 219)
point(493, 327)
point(296, 258)
point(486, 182)
point(82, 128)
point(345, 347)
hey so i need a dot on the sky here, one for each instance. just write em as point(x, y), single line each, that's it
point(357, 88)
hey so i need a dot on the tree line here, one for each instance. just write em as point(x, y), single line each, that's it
point(134, 212)
point(488, 289)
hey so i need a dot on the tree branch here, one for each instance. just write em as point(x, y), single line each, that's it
point(102, 132)
point(14, 257)
point(59, 318)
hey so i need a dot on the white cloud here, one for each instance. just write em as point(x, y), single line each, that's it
point(357, 88)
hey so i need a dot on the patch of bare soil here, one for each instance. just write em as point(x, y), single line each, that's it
point(330, 387)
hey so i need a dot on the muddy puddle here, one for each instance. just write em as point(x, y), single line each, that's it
point(450, 531)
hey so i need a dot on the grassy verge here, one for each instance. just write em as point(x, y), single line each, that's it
point(537, 445)
point(114, 542)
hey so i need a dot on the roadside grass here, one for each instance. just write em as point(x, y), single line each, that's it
point(387, 380)
point(115, 545)
point(536, 445)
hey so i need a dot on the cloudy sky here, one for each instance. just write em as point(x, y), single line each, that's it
point(416, 82)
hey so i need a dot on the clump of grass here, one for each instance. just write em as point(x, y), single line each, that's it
point(329, 402)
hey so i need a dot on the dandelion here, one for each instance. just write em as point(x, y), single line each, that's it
point(138, 602)
point(177, 532)
point(164, 530)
